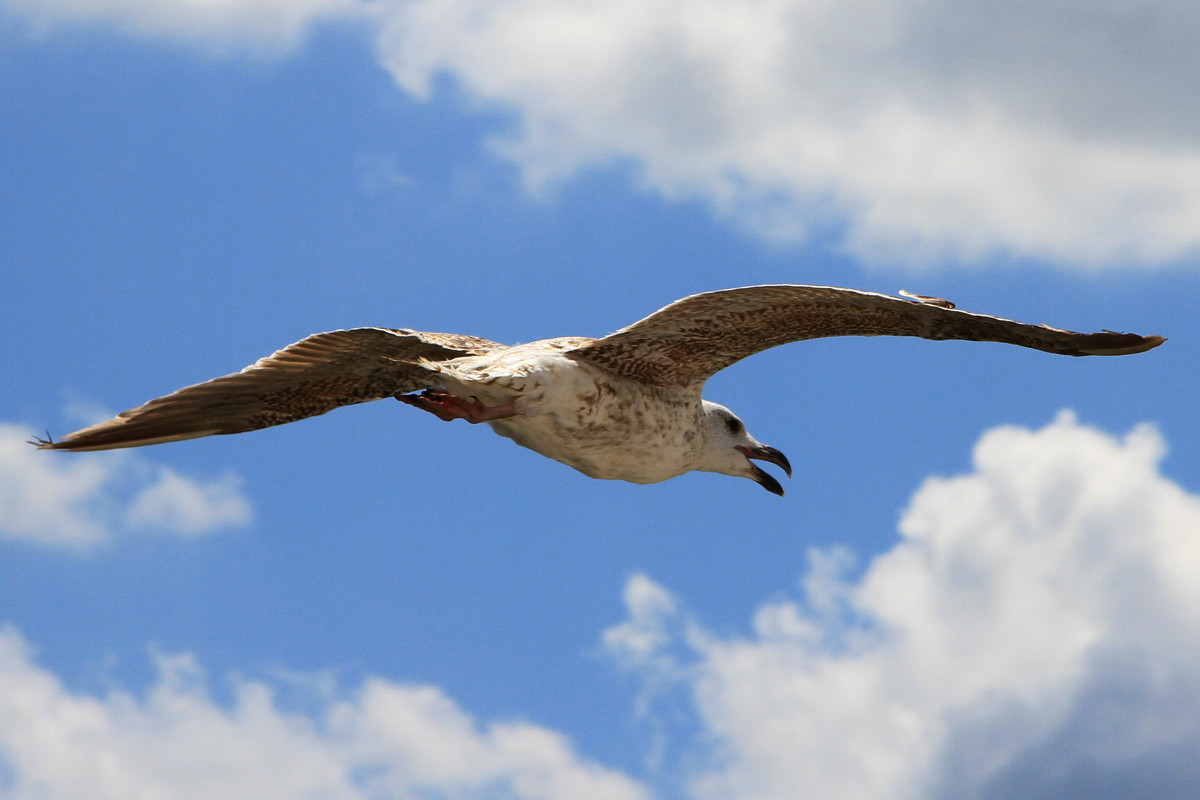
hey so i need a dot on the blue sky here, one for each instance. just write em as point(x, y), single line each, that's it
point(982, 580)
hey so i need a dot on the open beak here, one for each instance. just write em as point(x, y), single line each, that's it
point(758, 474)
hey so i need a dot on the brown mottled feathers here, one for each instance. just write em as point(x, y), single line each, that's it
point(678, 346)
point(693, 338)
point(312, 376)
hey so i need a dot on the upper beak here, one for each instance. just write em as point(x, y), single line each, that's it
point(758, 474)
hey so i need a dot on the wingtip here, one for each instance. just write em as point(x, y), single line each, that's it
point(1110, 343)
point(48, 443)
point(1153, 341)
point(43, 444)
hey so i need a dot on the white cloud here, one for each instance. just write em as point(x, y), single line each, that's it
point(384, 740)
point(645, 637)
point(1036, 633)
point(946, 129)
point(910, 131)
point(183, 505)
point(76, 501)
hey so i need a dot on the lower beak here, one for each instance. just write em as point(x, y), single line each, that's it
point(758, 474)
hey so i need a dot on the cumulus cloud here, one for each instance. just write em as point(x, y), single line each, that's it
point(380, 740)
point(952, 129)
point(1035, 633)
point(84, 500)
point(909, 131)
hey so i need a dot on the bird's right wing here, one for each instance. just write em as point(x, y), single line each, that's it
point(312, 376)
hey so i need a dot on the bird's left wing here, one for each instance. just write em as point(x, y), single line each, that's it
point(312, 376)
point(693, 338)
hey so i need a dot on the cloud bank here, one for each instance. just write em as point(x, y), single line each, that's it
point(86, 500)
point(384, 740)
point(903, 132)
point(1035, 634)
point(913, 131)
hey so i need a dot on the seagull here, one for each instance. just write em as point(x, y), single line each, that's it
point(626, 406)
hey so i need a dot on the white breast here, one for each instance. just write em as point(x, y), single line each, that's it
point(602, 425)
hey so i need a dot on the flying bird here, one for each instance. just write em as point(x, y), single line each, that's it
point(627, 406)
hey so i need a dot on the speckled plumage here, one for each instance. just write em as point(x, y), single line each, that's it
point(698, 336)
point(315, 375)
point(626, 406)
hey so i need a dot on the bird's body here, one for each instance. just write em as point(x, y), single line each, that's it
point(627, 406)
point(605, 428)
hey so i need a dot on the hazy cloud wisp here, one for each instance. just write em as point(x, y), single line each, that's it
point(257, 26)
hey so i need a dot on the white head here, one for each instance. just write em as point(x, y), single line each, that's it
point(729, 448)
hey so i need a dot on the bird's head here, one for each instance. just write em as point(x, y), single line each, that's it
point(729, 449)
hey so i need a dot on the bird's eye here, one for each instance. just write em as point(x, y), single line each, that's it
point(734, 425)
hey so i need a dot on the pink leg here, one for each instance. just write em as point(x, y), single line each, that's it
point(446, 406)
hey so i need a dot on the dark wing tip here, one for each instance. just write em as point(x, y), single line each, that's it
point(43, 444)
point(123, 431)
point(1110, 343)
